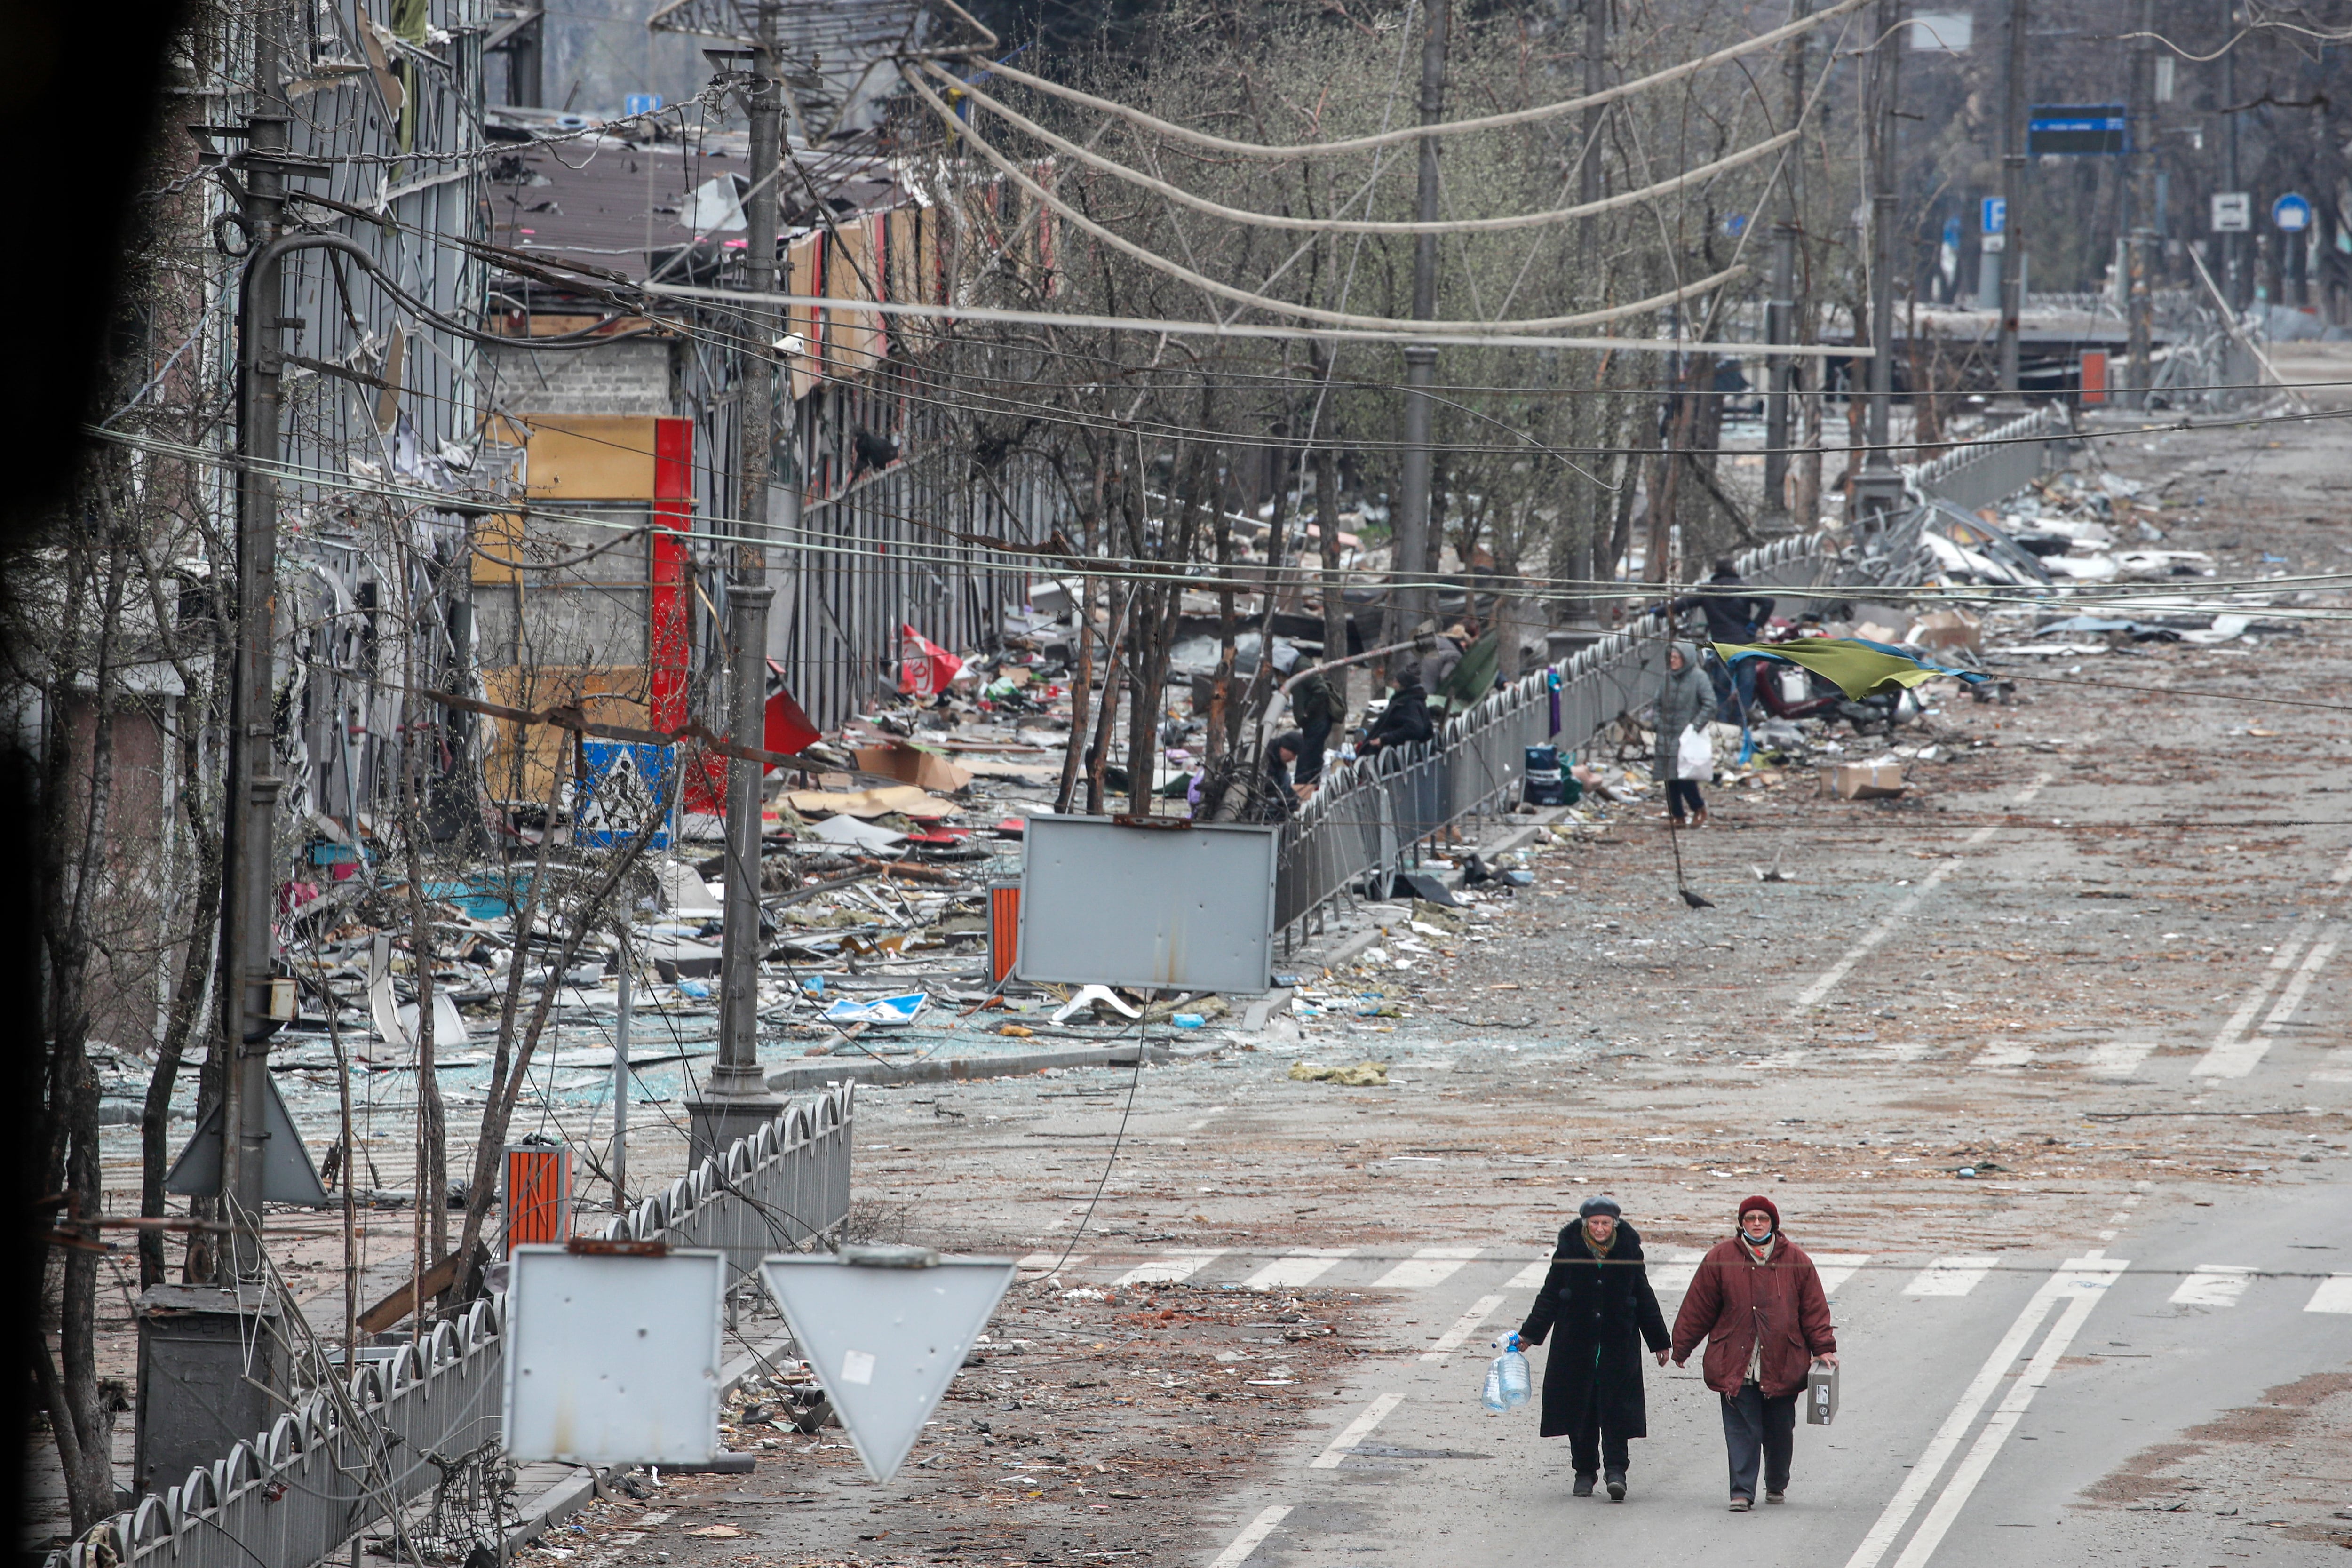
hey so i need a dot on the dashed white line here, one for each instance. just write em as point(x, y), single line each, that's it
point(2118, 1058)
point(1836, 1267)
point(1256, 1531)
point(1428, 1266)
point(1530, 1277)
point(2212, 1285)
point(1453, 1339)
point(2334, 1295)
point(1952, 1275)
point(1829, 979)
point(1298, 1268)
point(1355, 1432)
point(1178, 1265)
point(1673, 1277)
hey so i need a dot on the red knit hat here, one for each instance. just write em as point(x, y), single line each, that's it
point(1749, 1205)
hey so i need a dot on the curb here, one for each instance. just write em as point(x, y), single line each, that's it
point(817, 1074)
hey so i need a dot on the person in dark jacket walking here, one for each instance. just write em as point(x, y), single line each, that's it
point(1731, 617)
point(1758, 1305)
point(1318, 709)
point(1406, 718)
point(1598, 1298)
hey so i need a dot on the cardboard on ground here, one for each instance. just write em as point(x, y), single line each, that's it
point(882, 802)
point(913, 765)
point(886, 1342)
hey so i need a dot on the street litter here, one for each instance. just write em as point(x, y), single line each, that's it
point(1363, 1075)
point(882, 1013)
point(1862, 781)
point(1088, 996)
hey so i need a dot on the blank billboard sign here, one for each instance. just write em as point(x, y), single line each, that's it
point(1188, 907)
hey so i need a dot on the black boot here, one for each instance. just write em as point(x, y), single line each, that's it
point(1616, 1486)
point(1585, 1479)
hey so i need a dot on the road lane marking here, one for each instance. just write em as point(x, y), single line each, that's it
point(1952, 1275)
point(1531, 1278)
point(1428, 1266)
point(2014, 1055)
point(2222, 1059)
point(1830, 978)
point(1298, 1268)
point(1247, 1541)
point(1453, 1339)
point(2236, 1052)
point(2083, 1292)
point(1836, 1267)
point(2211, 1285)
point(1354, 1433)
point(1673, 1277)
point(1178, 1265)
point(2118, 1058)
point(2334, 1295)
point(1947, 1440)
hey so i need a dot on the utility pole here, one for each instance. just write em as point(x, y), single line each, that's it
point(1780, 313)
point(735, 1099)
point(1878, 488)
point(2236, 261)
point(2012, 195)
point(1591, 412)
point(248, 822)
point(1410, 549)
point(2141, 255)
point(622, 1017)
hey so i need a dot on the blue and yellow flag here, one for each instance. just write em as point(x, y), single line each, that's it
point(1857, 665)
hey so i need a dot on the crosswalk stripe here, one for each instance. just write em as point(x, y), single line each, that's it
point(1836, 1267)
point(1952, 1275)
point(2005, 1056)
point(1173, 1269)
point(1428, 1266)
point(2232, 1056)
point(1047, 1260)
point(1530, 1277)
point(1355, 1432)
point(1297, 1268)
point(2334, 1295)
point(2212, 1285)
point(1673, 1277)
point(2118, 1058)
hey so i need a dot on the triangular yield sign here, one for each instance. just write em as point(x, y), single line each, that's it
point(886, 1339)
point(287, 1174)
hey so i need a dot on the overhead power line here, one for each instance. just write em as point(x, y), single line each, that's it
point(1536, 115)
point(1704, 172)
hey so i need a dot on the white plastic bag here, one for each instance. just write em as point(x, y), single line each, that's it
point(1694, 755)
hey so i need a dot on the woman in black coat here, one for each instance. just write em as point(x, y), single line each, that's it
point(1598, 1296)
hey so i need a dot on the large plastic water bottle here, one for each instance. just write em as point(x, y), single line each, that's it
point(1509, 1382)
point(1518, 1382)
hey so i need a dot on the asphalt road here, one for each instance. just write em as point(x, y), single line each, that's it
point(1973, 1418)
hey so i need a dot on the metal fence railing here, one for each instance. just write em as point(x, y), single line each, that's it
point(1372, 817)
point(1993, 465)
point(784, 1188)
point(345, 1457)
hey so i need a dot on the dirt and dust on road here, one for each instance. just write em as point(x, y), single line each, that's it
point(2076, 980)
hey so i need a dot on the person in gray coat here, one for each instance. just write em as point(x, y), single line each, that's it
point(1684, 697)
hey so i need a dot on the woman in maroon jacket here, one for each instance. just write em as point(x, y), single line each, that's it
point(1757, 1302)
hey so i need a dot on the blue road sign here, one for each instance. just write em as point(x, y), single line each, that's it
point(2291, 213)
point(628, 783)
point(2077, 130)
point(1993, 218)
point(641, 102)
point(1735, 224)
